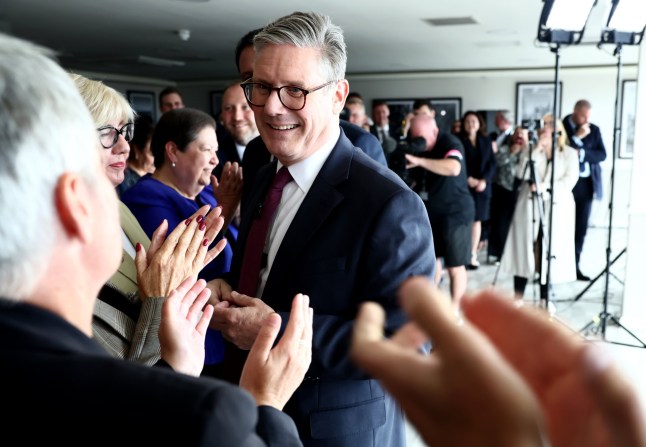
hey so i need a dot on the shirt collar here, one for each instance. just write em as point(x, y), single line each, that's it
point(305, 171)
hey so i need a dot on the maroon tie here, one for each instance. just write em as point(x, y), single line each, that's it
point(251, 263)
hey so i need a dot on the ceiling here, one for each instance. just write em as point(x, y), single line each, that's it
point(109, 36)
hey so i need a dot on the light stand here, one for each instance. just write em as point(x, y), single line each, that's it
point(612, 35)
point(547, 287)
point(561, 22)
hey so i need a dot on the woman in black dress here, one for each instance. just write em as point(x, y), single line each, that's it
point(480, 170)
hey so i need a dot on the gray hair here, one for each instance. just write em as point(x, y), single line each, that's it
point(506, 114)
point(308, 30)
point(45, 131)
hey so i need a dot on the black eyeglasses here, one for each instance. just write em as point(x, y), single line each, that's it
point(109, 135)
point(290, 96)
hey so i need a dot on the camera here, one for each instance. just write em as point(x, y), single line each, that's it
point(532, 127)
point(531, 124)
point(397, 158)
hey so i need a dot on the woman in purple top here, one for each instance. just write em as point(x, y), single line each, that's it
point(185, 146)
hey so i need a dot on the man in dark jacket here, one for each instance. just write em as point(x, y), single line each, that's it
point(585, 137)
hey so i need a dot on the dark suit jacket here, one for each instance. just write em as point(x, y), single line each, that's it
point(256, 154)
point(358, 234)
point(226, 152)
point(63, 388)
point(595, 153)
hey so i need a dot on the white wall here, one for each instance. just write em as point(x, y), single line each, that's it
point(634, 307)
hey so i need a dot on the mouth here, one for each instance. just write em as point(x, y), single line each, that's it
point(119, 165)
point(283, 127)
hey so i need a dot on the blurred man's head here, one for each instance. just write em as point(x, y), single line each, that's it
point(245, 53)
point(380, 113)
point(422, 107)
point(237, 116)
point(170, 99)
point(357, 111)
point(503, 120)
point(424, 126)
point(581, 114)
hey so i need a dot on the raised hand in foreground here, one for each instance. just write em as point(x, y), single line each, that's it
point(272, 375)
point(185, 318)
point(506, 376)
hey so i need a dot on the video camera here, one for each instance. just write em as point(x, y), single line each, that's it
point(532, 127)
point(397, 158)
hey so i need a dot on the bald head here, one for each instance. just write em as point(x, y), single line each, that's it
point(424, 126)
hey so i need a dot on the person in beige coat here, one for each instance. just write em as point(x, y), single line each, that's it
point(525, 241)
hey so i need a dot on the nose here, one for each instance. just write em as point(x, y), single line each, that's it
point(273, 105)
point(122, 146)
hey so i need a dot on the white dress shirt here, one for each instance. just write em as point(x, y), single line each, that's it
point(304, 173)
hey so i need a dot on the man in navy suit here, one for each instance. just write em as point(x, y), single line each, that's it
point(347, 230)
point(586, 138)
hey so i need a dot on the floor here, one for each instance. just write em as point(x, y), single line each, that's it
point(579, 304)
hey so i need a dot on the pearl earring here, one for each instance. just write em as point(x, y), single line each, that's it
point(173, 164)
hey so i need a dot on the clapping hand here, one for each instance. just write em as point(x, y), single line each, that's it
point(185, 252)
point(272, 375)
point(184, 321)
point(228, 190)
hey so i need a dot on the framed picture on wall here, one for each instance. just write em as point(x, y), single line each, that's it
point(628, 109)
point(216, 103)
point(534, 100)
point(446, 110)
point(143, 103)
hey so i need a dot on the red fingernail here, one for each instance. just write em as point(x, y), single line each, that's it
point(199, 219)
point(188, 221)
point(138, 246)
point(205, 242)
point(202, 226)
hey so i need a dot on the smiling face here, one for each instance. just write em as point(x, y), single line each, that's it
point(114, 159)
point(194, 165)
point(237, 116)
point(292, 136)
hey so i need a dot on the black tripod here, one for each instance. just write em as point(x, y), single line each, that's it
point(598, 324)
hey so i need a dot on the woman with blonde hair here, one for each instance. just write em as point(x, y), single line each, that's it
point(526, 242)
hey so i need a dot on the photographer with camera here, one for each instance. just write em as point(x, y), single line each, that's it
point(438, 174)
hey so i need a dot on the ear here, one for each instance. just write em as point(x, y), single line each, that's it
point(73, 205)
point(171, 152)
point(341, 93)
